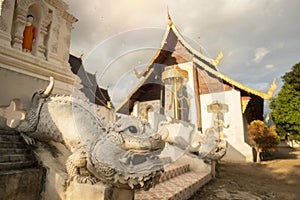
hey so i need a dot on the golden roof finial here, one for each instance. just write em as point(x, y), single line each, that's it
point(267, 118)
point(81, 56)
point(216, 62)
point(138, 75)
point(108, 105)
point(272, 88)
point(170, 22)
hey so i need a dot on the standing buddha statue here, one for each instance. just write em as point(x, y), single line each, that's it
point(28, 34)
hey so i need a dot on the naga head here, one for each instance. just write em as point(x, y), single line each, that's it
point(128, 154)
point(137, 135)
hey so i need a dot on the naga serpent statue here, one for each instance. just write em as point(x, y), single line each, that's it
point(123, 153)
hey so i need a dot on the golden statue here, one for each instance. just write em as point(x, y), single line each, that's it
point(177, 77)
point(28, 34)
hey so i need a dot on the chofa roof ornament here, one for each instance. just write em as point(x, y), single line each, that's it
point(170, 22)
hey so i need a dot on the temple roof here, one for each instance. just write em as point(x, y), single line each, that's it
point(172, 42)
point(90, 87)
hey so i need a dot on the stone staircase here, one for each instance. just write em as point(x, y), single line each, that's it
point(178, 182)
point(20, 176)
point(13, 152)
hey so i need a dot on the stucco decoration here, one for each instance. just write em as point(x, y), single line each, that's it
point(67, 40)
point(19, 21)
point(3, 25)
point(44, 31)
point(12, 113)
point(183, 136)
point(26, 3)
point(1, 3)
point(18, 27)
point(123, 153)
point(55, 31)
point(5, 6)
point(43, 20)
point(58, 4)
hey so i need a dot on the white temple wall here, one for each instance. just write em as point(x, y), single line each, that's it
point(230, 123)
point(149, 111)
point(64, 39)
point(52, 40)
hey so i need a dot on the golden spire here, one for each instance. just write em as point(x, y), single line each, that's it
point(272, 88)
point(267, 118)
point(170, 22)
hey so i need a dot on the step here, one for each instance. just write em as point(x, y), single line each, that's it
point(16, 157)
point(15, 144)
point(26, 184)
point(178, 188)
point(11, 138)
point(8, 132)
point(174, 170)
point(17, 165)
point(10, 151)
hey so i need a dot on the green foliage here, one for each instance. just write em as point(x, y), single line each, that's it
point(262, 137)
point(293, 77)
point(286, 105)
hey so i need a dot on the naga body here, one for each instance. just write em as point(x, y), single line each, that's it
point(122, 153)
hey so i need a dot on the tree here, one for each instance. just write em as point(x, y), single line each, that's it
point(285, 106)
point(262, 137)
point(293, 77)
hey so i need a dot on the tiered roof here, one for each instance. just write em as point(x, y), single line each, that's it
point(175, 49)
point(90, 87)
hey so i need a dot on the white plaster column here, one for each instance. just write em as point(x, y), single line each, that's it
point(6, 21)
point(41, 47)
point(65, 37)
point(52, 43)
point(19, 24)
point(67, 41)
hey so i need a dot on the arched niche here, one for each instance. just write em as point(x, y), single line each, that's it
point(42, 18)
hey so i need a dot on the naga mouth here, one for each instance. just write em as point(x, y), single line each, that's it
point(136, 159)
point(123, 168)
point(141, 162)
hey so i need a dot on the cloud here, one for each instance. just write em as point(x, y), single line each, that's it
point(260, 53)
point(238, 27)
point(269, 66)
point(123, 87)
point(117, 55)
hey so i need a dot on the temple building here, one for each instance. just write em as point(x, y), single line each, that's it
point(182, 83)
point(35, 38)
point(34, 45)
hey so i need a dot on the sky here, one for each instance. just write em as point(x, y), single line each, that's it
point(260, 38)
